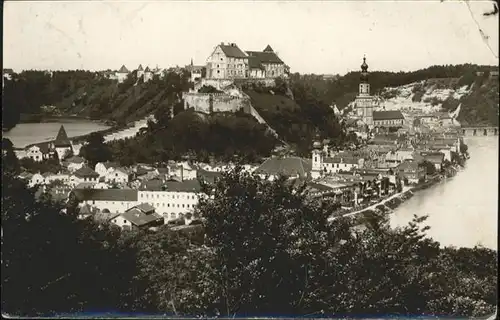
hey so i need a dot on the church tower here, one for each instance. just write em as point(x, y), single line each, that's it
point(317, 159)
point(364, 102)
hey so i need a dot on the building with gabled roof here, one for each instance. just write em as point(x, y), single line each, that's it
point(266, 61)
point(291, 167)
point(228, 61)
point(86, 174)
point(74, 163)
point(391, 119)
point(121, 74)
point(62, 145)
point(134, 218)
point(62, 139)
point(124, 70)
point(113, 200)
point(411, 171)
point(140, 71)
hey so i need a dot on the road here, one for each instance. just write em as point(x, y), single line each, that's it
point(373, 206)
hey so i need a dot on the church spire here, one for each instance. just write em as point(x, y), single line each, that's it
point(364, 70)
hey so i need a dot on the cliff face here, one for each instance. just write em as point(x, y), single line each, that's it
point(479, 100)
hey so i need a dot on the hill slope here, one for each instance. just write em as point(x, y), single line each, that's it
point(88, 94)
point(477, 92)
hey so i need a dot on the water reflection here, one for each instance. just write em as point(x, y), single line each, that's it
point(463, 211)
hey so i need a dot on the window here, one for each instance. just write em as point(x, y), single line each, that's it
point(183, 205)
point(168, 204)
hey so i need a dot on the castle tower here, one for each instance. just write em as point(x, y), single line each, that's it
point(62, 144)
point(364, 102)
point(317, 159)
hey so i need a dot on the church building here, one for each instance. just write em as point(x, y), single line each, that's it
point(389, 120)
point(364, 102)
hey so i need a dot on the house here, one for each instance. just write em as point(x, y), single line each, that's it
point(292, 167)
point(265, 64)
point(172, 198)
point(114, 200)
point(105, 168)
point(428, 119)
point(148, 74)
point(87, 185)
point(388, 119)
point(140, 71)
point(138, 217)
point(195, 71)
point(227, 61)
point(436, 158)
point(447, 151)
point(85, 174)
point(39, 152)
point(62, 144)
point(411, 171)
point(74, 163)
point(86, 211)
point(342, 162)
point(36, 179)
point(122, 74)
point(60, 192)
point(119, 175)
point(61, 177)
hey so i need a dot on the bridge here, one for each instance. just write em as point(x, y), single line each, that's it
point(480, 131)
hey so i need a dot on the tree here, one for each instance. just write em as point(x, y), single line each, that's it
point(67, 154)
point(429, 167)
point(269, 244)
point(95, 150)
point(55, 263)
point(10, 163)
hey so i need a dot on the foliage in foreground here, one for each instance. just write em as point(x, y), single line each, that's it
point(268, 250)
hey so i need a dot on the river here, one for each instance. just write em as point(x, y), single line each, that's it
point(24, 134)
point(463, 210)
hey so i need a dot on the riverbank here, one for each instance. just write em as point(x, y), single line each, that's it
point(388, 204)
point(81, 138)
point(115, 132)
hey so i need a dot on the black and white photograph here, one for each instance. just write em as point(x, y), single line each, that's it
point(250, 159)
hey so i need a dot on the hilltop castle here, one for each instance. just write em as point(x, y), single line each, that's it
point(228, 61)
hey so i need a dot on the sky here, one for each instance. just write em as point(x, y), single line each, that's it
point(322, 37)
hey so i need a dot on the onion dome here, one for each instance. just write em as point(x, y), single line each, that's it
point(364, 71)
point(364, 66)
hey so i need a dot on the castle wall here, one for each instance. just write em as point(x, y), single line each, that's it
point(220, 102)
point(269, 82)
point(218, 84)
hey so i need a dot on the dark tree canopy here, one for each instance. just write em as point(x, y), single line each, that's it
point(95, 150)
